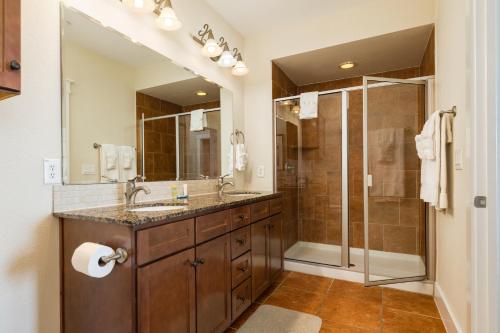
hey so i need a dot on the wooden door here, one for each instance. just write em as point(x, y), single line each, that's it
point(166, 295)
point(213, 285)
point(10, 47)
point(275, 246)
point(260, 258)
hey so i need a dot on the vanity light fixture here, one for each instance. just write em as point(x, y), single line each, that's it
point(347, 65)
point(201, 93)
point(296, 109)
point(239, 68)
point(167, 19)
point(220, 52)
point(226, 59)
point(140, 6)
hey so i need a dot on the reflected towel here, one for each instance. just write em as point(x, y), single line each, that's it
point(198, 120)
point(108, 157)
point(425, 141)
point(241, 157)
point(126, 162)
point(309, 105)
point(446, 137)
point(430, 169)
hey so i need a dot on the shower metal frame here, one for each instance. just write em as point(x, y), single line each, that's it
point(345, 249)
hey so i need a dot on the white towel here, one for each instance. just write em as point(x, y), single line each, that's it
point(425, 141)
point(446, 137)
point(108, 156)
point(198, 120)
point(126, 162)
point(309, 105)
point(241, 157)
point(429, 172)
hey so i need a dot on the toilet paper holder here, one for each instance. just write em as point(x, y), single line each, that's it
point(120, 256)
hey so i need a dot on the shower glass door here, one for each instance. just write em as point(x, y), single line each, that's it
point(394, 216)
point(312, 177)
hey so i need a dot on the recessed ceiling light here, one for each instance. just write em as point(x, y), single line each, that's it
point(347, 65)
point(201, 93)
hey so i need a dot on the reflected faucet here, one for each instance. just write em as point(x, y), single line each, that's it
point(221, 184)
point(132, 190)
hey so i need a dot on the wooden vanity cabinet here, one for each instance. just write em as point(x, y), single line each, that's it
point(10, 48)
point(194, 275)
point(267, 253)
point(166, 297)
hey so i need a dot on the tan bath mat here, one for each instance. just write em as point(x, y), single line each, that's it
point(273, 319)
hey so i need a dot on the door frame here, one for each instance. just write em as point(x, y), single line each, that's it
point(383, 82)
point(483, 84)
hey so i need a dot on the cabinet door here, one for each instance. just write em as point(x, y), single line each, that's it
point(275, 247)
point(10, 47)
point(166, 295)
point(260, 258)
point(213, 285)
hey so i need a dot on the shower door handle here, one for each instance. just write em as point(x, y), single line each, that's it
point(369, 181)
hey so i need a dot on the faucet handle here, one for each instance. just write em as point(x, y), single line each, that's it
point(137, 178)
point(224, 176)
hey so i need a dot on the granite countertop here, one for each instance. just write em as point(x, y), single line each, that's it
point(194, 206)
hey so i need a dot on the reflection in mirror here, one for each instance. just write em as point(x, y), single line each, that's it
point(129, 111)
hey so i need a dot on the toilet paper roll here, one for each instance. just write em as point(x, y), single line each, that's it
point(86, 259)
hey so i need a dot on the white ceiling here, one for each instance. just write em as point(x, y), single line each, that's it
point(257, 16)
point(184, 92)
point(398, 50)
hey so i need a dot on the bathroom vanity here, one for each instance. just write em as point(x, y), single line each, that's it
point(195, 269)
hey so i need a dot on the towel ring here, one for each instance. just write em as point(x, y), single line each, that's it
point(237, 134)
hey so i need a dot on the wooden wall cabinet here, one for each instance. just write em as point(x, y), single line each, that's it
point(10, 48)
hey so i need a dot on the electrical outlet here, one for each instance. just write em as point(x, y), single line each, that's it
point(52, 170)
point(260, 171)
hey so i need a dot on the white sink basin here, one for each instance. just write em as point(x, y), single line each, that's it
point(156, 208)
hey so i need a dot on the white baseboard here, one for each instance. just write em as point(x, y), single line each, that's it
point(421, 287)
point(449, 318)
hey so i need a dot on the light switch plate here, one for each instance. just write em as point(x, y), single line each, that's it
point(260, 171)
point(52, 171)
point(459, 160)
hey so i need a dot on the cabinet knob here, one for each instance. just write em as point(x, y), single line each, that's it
point(241, 241)
point(201, 261)
point(15, 65)
point(242, 217)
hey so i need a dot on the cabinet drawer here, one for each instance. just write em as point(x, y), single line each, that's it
point(160, 241)
point(259, 210)
point(240, 217)
point(242, 298)
point(275, 206)
point(212, 225)
point(240, 242)
point(241, 269)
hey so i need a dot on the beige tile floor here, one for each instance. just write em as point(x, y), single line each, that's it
point(348, 307)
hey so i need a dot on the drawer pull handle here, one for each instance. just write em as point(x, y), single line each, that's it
point(197, 262)
point(243, 269)
point(242, 217)
point(240, 298)
point(241, 241)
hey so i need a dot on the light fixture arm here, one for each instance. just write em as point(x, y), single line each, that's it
point(160, 4)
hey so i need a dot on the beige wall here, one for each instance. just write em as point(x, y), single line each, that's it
point(452, 240)
point(30, 129)
point(372, 18)
point(102, 106)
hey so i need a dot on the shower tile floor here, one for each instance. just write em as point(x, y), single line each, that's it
point(382, 264)
point(348, 307)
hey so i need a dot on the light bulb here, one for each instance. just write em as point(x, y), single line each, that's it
point(140, 6)
point(168, 20)
point(240, 69)
point(226, 59)
point(211, 49)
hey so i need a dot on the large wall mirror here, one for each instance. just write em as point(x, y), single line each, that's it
point(127, 111)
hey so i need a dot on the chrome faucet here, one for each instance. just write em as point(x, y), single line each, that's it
point(132, 190)
point(221, 184)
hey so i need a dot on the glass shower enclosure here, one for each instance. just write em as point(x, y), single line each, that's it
point(350, 180)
